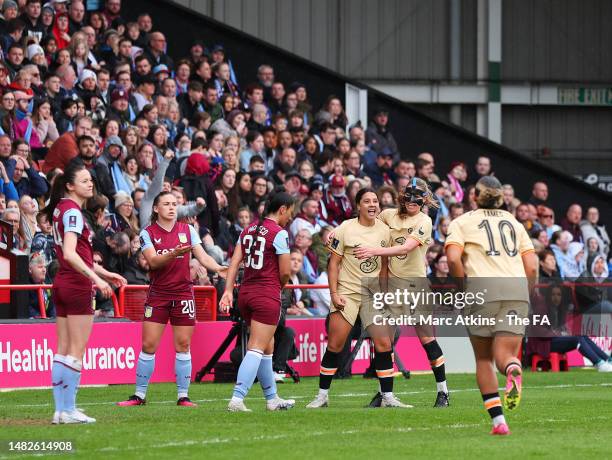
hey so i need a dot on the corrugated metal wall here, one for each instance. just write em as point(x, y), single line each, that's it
point(543, 40)
point(366, 39)
point(579, 138)
point(557, 40)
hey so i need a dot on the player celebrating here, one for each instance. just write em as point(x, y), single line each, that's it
point(167, 246)
point(73, 287)
point(352, 283)
point(411, 235)
point(490, 242)
point(263, 248)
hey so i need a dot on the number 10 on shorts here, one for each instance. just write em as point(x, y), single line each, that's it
point(188, 308)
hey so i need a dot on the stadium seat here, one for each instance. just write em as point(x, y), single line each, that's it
point(556, 362)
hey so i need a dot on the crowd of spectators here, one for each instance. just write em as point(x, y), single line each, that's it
point(81, 83)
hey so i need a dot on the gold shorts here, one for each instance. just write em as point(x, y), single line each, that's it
point(362, 306)
point(505, 316)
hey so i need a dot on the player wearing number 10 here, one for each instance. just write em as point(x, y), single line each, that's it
point(263, 248)
point(490, 243)
point(167, 245)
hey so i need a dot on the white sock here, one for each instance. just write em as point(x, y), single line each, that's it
point(323, 392)
point(236, 400)
point(386, 394)
point(498, 420)
point(442, 387)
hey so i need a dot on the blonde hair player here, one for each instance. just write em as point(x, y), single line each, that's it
point(352, 283)
point(489, 242)
point(410, 236)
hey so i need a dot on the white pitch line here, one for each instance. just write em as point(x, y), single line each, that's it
point(339, 395)
point(300, 435)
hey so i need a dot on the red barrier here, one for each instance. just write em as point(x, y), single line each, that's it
point(41, 299)
point(132, 301)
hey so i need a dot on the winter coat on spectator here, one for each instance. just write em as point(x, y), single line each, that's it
point(589, 296)
point(196, 183)
point(598, 232)
point(378, 138)
point(574, 229)
point(134, 274)
point(31, 183)
point(33, 305)
point(338, 208)
point(187, 108)
point(46, 131)
point(43, 244)
point(63, 150)
point(563, 259)
point(24, 129)
point(110, 175)
point(574, 267)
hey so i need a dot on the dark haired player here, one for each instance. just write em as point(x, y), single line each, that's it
point(263, 248)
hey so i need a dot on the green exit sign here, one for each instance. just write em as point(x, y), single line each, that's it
point(585, 96)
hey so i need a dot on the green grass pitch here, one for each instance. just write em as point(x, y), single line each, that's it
point(562, 415)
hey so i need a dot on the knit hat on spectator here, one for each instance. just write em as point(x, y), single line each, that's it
point(161, 68)
point(218, 48)
point(113, 140)
point(380, 110)
point(9, 4)
point(86, 73)
point(34, 50)
point(119, 93)
point(122, 198)
point(316, 185)
point(146, 79)
point(296, 85)
point(385, 152)
point(292, 173)
point(197, 164)
point(337, 181)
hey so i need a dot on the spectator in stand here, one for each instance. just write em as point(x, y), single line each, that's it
point(539, 194)
point(591, 228)
point(457, 176)
point(13, 217)
point(337, 203)
point(27, 180)
point(429, 158)
point(303, 242)
point(296, 301)
point(108, 169)
point(595, 299)
point(43, 242)
point(381, 172)
point(546, 219)
point(265, 78)
point(523, 216)
point(482, 168)
point(378, 136)
point(112, 10)
point(65, 148)
point(156, 51)
point(576, 261)
point(137, 270)
point(308, 219)
point(38, 275)
point(255, 147)
point(571, 221)
point(548, 267)
point(559, 243)
point(455, 210)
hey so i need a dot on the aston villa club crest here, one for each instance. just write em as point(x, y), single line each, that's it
point(182, 238)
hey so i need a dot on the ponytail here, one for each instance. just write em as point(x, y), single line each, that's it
point(274, 202)
point(59, 189)
point(420, 187)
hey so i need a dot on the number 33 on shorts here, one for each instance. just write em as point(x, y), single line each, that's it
point(188, 308)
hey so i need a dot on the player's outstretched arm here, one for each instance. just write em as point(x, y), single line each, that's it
point(157, 261)
point(365, 252)
point(208, 262)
